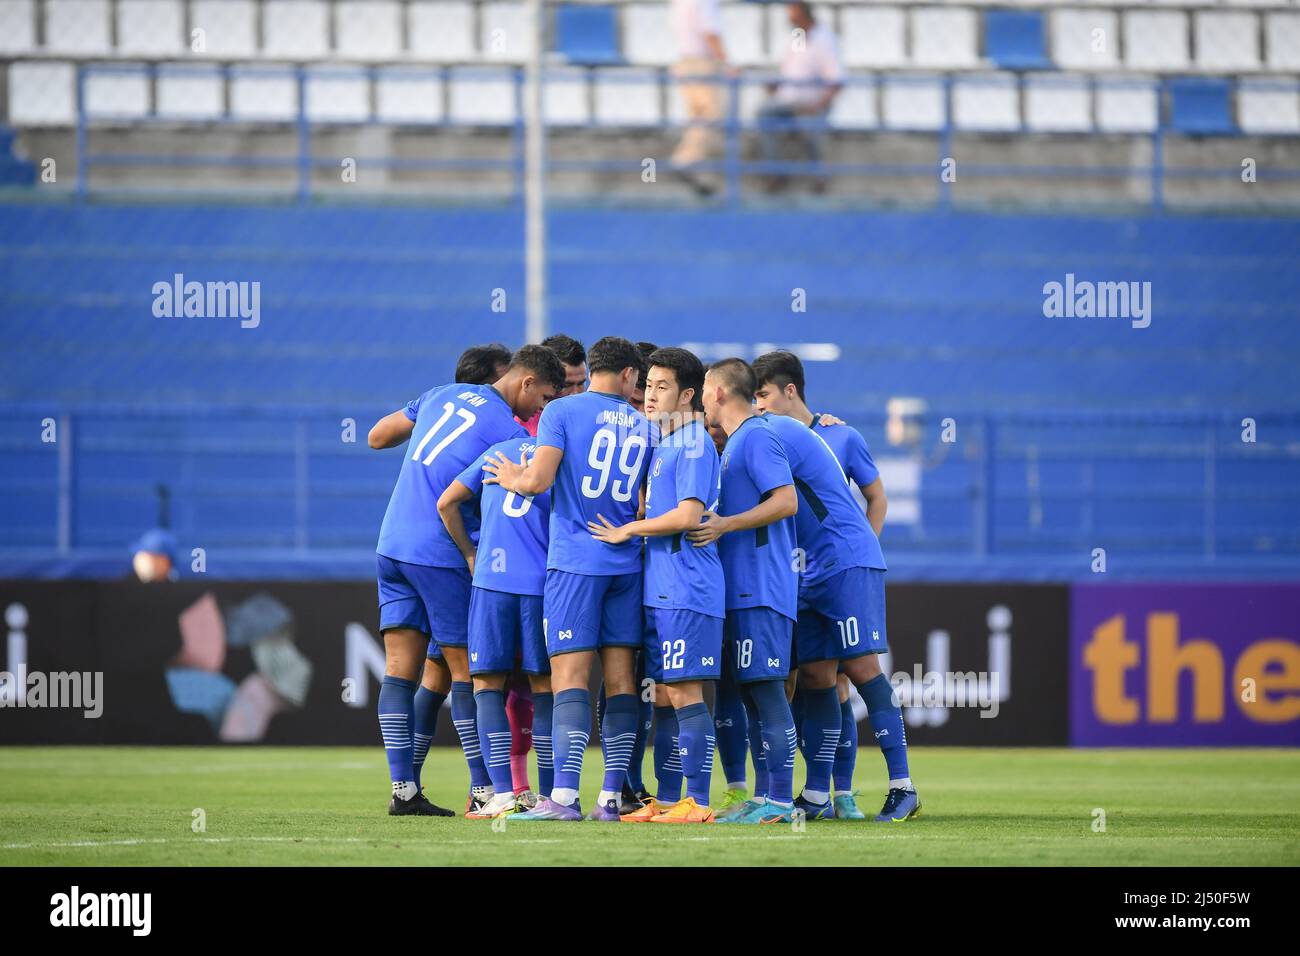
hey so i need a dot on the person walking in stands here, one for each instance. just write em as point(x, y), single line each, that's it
point(699, 70)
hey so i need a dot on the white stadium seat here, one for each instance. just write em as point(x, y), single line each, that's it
point(646, 36)
point(564, 99)
point(369, 31)
point(1058, 103)
point(408, 95)
point(150, 27)
point(77, 26)
point(629, 97)
point(337, 94)
point(1226, 40)
point(873, 36)
point(1155, 40)
point(482, 97)
point(442, 32)
point(986, 101)
point(42, 94)
point(752, 96)
point(1126, 104)
point(229, 28)
point(267, 94)
point(742, 34)
point(506, 34)
point(913, 101)
point(117, 96)
point(944, 38)
point(855, 107)
point(1282, 41)
point(17, 27)
point(295, 29)
point(1269, 105)
point(1076, 44)
point(190, 91)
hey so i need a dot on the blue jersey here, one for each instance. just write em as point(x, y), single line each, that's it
point(606, 445)
point(513, 531)
point(851, 452)
point(454, 424)
point(678, 575)
point(830, 528)
point(758, 563)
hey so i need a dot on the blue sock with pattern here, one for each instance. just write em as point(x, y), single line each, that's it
point(543, 718)
point(695, 744)
point(463, 716)
point(779, 737)
point(846, 755)
point(818, 739)
point(396, 716)
point(668, 762)
point(428, 705)
point(494, 737)
point(887, 723)
point(571, 729)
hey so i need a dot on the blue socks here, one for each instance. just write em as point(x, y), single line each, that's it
point(617, 740)
point(427, 707)
point(731, 726)
point(494, 737)
point(887, 722)
point(396, 717)
point(695, 744)
point(755, 736)
point(846, 755)
point(543, 718)
point(463, 716)
point(779, 738)
point(636, 766)
point(818, 740)
point(571, 729)
point(668, 762)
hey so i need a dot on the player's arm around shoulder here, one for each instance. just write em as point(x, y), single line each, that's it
point(391, 430)
point(525, 477)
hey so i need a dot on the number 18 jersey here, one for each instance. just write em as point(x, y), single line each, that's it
point(606, 445)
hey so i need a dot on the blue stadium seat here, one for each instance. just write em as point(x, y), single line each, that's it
point(587, 34)
point(1016, 39)
point(1201, 105)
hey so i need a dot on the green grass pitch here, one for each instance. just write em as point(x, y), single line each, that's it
point(109, 806)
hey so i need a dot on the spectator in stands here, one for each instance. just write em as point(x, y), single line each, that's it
point(483, 364)
point(153, 558)
point(700, 68)
point(811, 77)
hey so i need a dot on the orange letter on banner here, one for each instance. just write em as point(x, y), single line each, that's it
point(1167, 659)
point(1253, 663)
point(1109, 657)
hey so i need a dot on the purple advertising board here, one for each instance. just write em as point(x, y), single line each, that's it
point(1185, 665)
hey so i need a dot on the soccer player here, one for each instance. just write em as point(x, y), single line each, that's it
point(593, 448)
point(684, 588)
point(424, 584)
point(505, 614)
point(754, 528)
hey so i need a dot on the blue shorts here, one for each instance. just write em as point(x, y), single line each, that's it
point(585, 612)
point(433, 601)
point(683, 645)
point(842, 617)
point(758, 640)
point(505, 629)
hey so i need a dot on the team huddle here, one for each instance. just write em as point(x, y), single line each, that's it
point(684, 525)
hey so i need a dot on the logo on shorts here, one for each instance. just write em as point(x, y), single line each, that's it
point(774, 662)
point(474, 657)
point(566, 635)
point(706, 661)
point(875, 635)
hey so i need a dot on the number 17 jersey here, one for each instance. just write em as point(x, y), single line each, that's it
point(606, 445)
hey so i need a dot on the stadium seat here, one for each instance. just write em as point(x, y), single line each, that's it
point(190, 91)
point(1268, 105)
point(408, 95)
point(742, 34)
point(1127, 104)
point(229, 28)
point(1058, 103)
point(17, 27)
point(482, 97)
point(914, 101)
point(856, 106)
point(77, 26)
point(42, 94)
point(647, 38)
point(1282, 41)
point(442, 32)
point(150, 27)
point(369, 31)
point(629, 97)
point(295, 29)
point(873, 37)
point(117, 95)
point(1200, 105)
point(1076, 42)
point(337, 94)
point(268, 94)
point(1226, 40)
point(587, 34)
point(565, 100)
point(505, 32)
point(986, 101)
point(1016, 39)
point(752, 96)
point(1156, 40)
point(944, 38)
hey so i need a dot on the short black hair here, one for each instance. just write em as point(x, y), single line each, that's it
point(613, 354)
point(646, 349)
point(737, 376)
point(478, 364)
point(687, 369)
point(781, 368)
point(542, 362)
point(569, 349)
